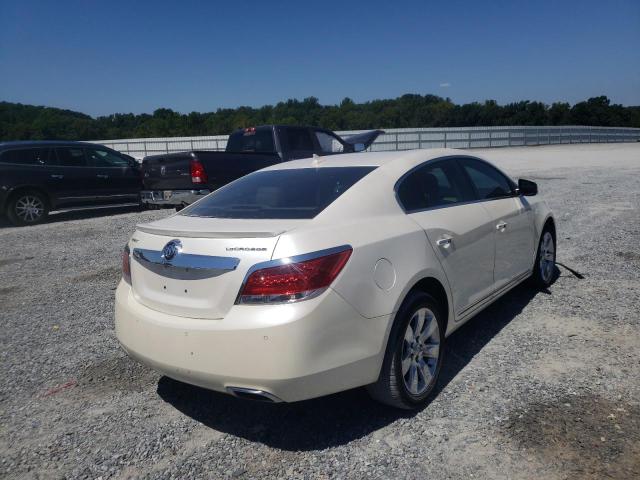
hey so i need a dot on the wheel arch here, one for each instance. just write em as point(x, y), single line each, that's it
point(28, 188)
point(435, 288)
point(550, 223)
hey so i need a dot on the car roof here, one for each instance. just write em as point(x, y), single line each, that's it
point(43, 143)
point(392, 161)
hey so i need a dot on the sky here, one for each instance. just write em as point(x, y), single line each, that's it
point(103, 57)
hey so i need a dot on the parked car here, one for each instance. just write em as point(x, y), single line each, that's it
point(320, 275)
point(179, 179)
point(37, 177)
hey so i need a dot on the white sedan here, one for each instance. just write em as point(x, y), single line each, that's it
point(319, 275)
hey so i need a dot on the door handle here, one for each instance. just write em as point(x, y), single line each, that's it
point(102, 176)
point(57, 176)
point(444, 242)
point(501, 226)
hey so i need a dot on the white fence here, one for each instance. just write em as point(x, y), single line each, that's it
point(409, 138)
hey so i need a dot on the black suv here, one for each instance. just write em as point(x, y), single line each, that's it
point(37, 177)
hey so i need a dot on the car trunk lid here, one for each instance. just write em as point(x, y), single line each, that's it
point(195, 268)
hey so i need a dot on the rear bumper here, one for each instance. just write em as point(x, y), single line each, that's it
point(292, 352)
point(172, 197)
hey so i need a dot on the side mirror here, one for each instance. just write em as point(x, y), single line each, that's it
point(527, 187)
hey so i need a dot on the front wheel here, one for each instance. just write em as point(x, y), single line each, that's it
point(414, 354)
point(27, 208)
point(545, 266)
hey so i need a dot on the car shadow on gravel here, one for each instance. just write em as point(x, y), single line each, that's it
point(340, 418)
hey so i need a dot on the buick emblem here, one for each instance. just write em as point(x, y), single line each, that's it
point(163, 170)
point(171, 249)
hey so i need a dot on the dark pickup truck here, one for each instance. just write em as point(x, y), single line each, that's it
point(178, 179)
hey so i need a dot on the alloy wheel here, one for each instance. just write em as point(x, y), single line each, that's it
point(547, 257)
point(420, 351)
point(29, 208)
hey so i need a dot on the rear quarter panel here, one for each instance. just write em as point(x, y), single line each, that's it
point(13, 177)
point(373, 291)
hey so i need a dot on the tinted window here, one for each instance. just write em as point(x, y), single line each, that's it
point(299, 139)
point(294, 193)
point(69, 157)
point(434, 185)
point(104, 158)
point(251, 140)
point(25, 156)
point(329, 143)
point(488, 181)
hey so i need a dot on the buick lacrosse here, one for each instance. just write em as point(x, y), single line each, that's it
point(319, 275)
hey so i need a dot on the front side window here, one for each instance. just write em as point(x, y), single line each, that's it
point(278, 194)
point(69, 157)
point(104, 158)
point(329, 143)
point(488, 181)
point(25, 156)
point(435, 184)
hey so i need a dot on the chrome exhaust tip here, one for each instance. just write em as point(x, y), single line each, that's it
point(253, 394)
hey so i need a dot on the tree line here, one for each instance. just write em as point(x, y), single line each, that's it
point(29, 122)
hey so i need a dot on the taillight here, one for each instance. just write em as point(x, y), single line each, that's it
point(198, 175)
point(126, 264)
point(294, 280)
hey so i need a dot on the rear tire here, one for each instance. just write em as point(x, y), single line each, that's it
point(28, 207)
point(414, 354)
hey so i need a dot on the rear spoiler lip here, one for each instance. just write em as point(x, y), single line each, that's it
point(365, 138)
point(204, 234)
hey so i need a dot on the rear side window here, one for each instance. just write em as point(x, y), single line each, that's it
point(433, 185)
point(104, 158)
point(251, 140)
point(299, 139)
point(487, 180)
point(69, 157)
point(293, 193)
point(25, 156)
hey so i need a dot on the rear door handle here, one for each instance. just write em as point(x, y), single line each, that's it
point(444, 242)
point(102, 176)
point(501, 226)
point(57, 176)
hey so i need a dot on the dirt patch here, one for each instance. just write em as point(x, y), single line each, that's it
point(582, 436)
point(11, 260)
point(109, 274)
point(117, 374)
point(539, 177)
point(629, 256)
point(8, 290)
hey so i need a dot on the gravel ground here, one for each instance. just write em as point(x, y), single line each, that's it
point(543, 385)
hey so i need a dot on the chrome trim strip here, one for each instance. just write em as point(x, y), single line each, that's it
point(286, 260)
point(185, 266)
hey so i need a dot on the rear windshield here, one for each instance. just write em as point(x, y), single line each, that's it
point(292, 193)
point(251, 140)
